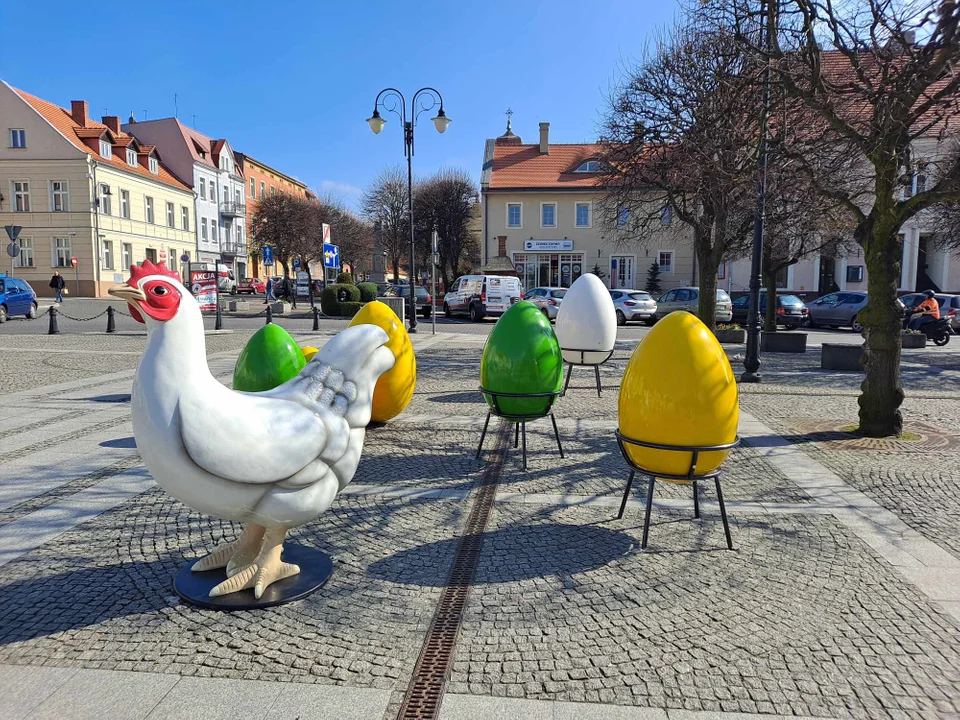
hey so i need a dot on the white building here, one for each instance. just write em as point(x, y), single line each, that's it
point(210, 168)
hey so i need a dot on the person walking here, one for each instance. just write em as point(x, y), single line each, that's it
point(268, 292)
point(58, 283)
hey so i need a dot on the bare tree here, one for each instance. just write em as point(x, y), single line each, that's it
point(386, 200)
point(280, 222)
point(446, 202)
point(681, 135)
point(869, 98)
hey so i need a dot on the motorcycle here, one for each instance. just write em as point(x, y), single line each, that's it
point(937, 331)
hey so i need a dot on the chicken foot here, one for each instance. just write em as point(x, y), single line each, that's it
point(236, 555)
point(266, 568)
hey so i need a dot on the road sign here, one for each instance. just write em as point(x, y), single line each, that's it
point(326, 233)
point(303, 284)
point(268, 257)
point(185, 258)
point(296, 263)
point(13, 249)
point(13, 232)
point(73, 261)
point(331, 256)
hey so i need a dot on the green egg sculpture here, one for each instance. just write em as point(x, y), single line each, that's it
point(270, 358)
point(522, 356)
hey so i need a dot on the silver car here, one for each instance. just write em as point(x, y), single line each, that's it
point(688, 298)
point(634, 305)
point(839, 309)
point(548, 299)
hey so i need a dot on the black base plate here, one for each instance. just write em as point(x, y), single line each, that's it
point(316, 567)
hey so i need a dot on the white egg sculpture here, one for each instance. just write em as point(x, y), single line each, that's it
point(586, 322)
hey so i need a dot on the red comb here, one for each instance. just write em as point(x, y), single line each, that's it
point(138, 272)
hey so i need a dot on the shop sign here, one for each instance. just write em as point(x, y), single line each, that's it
point(548, 245)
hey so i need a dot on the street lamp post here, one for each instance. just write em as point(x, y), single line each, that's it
point(388, 100)
point(751, 360)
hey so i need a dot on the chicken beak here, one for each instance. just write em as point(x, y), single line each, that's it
point(127, 292)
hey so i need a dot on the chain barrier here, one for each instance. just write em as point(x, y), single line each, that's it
point(61, 313)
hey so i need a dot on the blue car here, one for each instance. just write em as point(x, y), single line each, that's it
point(17, 298)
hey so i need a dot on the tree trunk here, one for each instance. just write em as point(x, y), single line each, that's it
point(707, 305)
point(770, 315)
point(881, 394)
point(396, 271)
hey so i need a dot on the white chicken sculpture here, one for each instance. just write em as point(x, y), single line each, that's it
point(207, 445)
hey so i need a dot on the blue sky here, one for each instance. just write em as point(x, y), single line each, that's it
point(292, 83)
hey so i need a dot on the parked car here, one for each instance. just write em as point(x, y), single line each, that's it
point(634, 305)
point(385, 289)
point(949, 307)
point(252, 286)
point(422, 299)
point(548, 299)
point(791, 312)
point(839, 309)
point(688, 298)
point(17, 298)
point(480, 295)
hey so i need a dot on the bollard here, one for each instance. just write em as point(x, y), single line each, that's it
point(54, 329)
point(219, 324)
point(111, 322)
point(269, 315)
point(316, 318)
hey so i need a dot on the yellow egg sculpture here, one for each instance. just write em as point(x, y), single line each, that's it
point(394, 389)
point(678, 389)
point(308, 352)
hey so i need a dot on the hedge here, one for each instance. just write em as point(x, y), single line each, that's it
point(349, 309)
point(368, 291)
point(331, 305)
point(345, 279)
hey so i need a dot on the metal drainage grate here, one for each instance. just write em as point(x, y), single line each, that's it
point(425, 692)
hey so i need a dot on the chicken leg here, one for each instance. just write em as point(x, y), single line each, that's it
point(266, 568)
point(233, 556)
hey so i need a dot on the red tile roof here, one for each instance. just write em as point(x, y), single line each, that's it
point(63, 121)
point(519, 167)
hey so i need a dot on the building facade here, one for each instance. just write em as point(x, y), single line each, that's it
point(210, 168)
point(86, 190)
point(262, 181)
point(539, 210)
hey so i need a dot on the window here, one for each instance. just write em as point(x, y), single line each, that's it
point(782, 278)
point(25, 259)
point(273, 190)
point(170, 215)
point(213, 230)
point(152, 255)
point(59, 197)
point(514, 215)
point(548, 215)
point(203, 188)
point(106, 152)
point(722, 271)
point(583, 214)
point(127, 256)
point(262, 186)
point(125, 204)
point(666, 215)
point(920, 179)
point(855, 273)
point(238, 196)
point(623, 216)
point(108, 254)
point(253, 188)
point(21, 196)
point(203, 229)
point(60, 252)
point(184, 217)
point(665, 260)
point(213, 190)
point(172, 263)
point(18, 138)
point(105, 206)
point(154, 166)
point(588, 166)
point(131, 157)
point(148, 202)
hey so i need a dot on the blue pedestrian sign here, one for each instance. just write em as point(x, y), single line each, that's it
point(331, 256)
point(296, 263)
point(268, 257)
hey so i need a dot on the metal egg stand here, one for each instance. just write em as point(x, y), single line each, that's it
point(520, 420)
point(583, 363)
point(691, 477)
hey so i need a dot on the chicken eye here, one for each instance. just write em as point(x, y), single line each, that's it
point(160, 290)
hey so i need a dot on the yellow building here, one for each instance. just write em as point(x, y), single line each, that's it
point(86, 190)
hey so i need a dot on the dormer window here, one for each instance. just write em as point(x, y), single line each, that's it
point(154, 166)
point(588, 166)
point(131, 157)
point(106, 151)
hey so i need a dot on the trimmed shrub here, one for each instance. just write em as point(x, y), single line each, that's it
point(345, 279)
point(368, 291)
point(349, 309)
point(330, 302)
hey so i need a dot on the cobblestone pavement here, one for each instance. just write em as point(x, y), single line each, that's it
point(804, 617)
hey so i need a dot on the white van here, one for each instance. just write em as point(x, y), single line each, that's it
point(226, 281)
point(480, 295)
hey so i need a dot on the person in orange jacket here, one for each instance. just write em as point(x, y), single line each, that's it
point(925, 312)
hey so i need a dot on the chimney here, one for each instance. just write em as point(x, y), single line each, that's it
point(112, 122)
point(78, 110)
point(544, 138)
